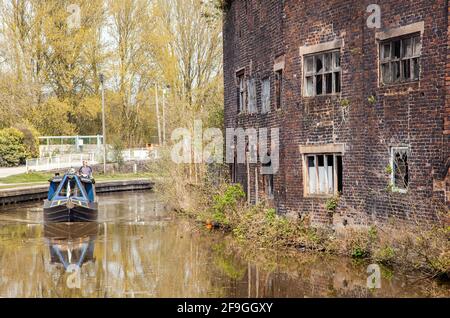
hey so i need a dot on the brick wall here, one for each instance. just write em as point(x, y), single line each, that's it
point(415, 114)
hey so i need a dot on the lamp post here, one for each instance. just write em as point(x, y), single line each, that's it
point(102, 81)
point(157, 114)
point(166, 88)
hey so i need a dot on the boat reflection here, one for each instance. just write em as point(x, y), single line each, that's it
point(71, 243)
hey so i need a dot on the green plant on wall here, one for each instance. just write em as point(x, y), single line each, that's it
point(332, 204)
point(388, 170)
point(345, 103)
point(372, 99)
point(390, 187)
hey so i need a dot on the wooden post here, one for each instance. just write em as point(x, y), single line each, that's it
point(256, 186)
point(248, 179)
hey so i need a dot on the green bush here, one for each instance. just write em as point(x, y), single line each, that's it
point(31, 138)
point(385, 254)
point(227, 203)
point(13, 150)
point(271, 215)
point(117, 148)
point(359, 252)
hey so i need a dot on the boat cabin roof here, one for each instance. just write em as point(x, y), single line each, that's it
point(71, 186)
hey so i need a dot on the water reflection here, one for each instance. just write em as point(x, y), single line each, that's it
point(71, 243)
point(138, 249)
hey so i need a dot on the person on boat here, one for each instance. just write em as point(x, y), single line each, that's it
point(86, 170)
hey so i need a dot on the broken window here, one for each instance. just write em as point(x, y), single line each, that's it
point(265, 95)
point(251, 87)
point(400, 168)
point(322, 74)
point(400, 59)
point(240, 76)
point(324, 174)
point(278, 88)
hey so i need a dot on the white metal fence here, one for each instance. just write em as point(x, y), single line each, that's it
point(76, 160)
point(58, 162)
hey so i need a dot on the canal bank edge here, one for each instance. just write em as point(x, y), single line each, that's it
point(39, 192)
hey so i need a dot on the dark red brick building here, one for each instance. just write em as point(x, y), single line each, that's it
point(363, 109)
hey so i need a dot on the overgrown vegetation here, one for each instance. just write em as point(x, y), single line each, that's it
point(408, 247)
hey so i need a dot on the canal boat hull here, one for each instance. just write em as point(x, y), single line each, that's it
point(70, 211)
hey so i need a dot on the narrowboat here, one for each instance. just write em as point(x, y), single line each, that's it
point(71, 198)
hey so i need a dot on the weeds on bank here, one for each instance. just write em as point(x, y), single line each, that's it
point(223, 206)
point(426, 250)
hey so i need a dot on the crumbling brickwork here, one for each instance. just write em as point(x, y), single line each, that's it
point(367, 118)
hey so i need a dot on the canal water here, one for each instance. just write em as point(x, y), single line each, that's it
point(138, 249)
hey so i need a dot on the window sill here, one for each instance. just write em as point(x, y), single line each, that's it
point(400, 84)
point(400, 191)
point(330, 96)
point(245, 114)
point(319, 196)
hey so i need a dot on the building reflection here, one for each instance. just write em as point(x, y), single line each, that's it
point(71, 243)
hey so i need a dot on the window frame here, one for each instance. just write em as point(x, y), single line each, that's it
point(265, 109)
point(394, 150)
point(306, 174)
point(392, 59)
point(334, 68)
point(241, 92)
point(252, 98)
point(278, 83)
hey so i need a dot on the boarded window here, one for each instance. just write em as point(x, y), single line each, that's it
point(265, 95)
point(251, 87)
point(322, 74)
point(400, 59)
point(400, 168)
point(278, 88)
point(324, 174)
point(241, 92)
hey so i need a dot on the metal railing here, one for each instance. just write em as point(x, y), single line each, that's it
point(58, 162)
point(76, 160)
